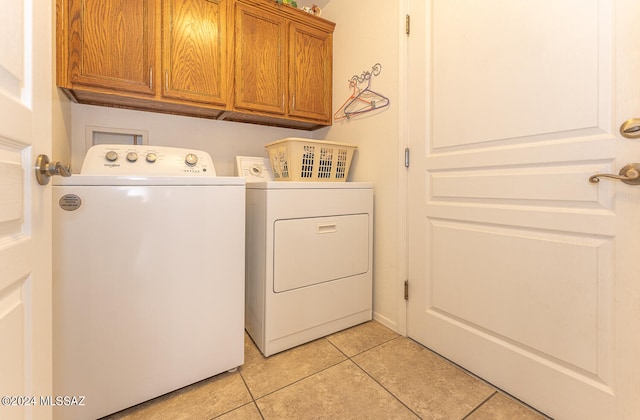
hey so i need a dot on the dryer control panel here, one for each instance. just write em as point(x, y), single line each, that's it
point(146, 160)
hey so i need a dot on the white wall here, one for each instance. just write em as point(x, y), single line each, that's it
point(369, 32)
point(222, 139)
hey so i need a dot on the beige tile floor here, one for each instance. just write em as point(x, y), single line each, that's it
point(365, 372)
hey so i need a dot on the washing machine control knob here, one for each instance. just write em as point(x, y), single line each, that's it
point(151, 157)
point(111, 156)
point(191, 159)
point(132, 156)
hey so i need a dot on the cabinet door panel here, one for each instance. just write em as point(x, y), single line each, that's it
point(194, 50)
point(310, 72)
point(112, 44)
point(260, 62)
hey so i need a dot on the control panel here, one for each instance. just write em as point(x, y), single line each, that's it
point(141, 160)
point(254, 169)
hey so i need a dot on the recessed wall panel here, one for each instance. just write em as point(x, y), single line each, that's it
point(555, 184)
point(12, 188)
point(12, 59)
point(11, 185)
point(12, 351)
point(503, 70)
point(537, 290)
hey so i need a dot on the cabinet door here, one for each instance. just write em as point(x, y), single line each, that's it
point(112, 44)
point(310, 67)
point(194, 50)
point(260, 60)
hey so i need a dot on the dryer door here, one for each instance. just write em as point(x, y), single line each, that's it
point(319, 249)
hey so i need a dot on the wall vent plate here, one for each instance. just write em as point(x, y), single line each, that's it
point(254, 169)
point(111, 135)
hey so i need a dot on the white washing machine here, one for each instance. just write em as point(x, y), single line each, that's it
point(148, 276)
point(309, 260)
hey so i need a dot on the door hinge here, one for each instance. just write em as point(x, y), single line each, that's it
point(406, 290)
point(407, 24)
point(406, 157)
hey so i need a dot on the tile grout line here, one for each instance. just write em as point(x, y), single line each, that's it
point(347, 358)
point(253, 399)
point(497, 389)
point(480, 405)
point(298, 380)
point(371, 377)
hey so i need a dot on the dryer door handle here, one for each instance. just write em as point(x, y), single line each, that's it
point(327, 227)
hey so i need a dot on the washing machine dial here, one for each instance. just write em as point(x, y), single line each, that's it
point(111, 156)
point(151, 157)
point(132, 156)
point(191, 159)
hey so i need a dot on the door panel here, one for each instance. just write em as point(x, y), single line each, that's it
point(112, 44)
point(545, 271)
point(505, 70)
point(512, 251)
point(194, 51)
point(260, 60)
point(316, 250)
point(310, 67)
point(25, 250)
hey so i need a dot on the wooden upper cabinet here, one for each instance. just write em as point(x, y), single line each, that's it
point(111, 45)
point(283, 62)
point(238, 60)
point(260, 60)
point(310, 72)
point(194, 50)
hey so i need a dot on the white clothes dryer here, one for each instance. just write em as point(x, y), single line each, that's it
point(148, 276)
point(309, 249)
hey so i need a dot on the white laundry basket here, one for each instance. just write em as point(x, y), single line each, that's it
point(296, 159)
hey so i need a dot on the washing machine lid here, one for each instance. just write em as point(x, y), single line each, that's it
point(289, 185)
point(99, 180)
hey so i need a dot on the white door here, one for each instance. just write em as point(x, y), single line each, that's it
point(521, 270)
point(25, 209)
